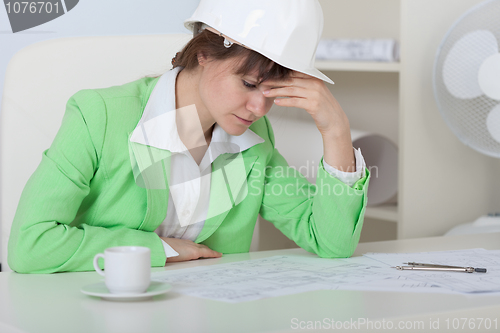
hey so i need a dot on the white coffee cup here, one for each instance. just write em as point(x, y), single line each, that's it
point(127, 269)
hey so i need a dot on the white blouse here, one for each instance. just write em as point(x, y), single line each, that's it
point(189, 183)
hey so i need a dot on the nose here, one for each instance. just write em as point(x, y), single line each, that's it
point(258, 104)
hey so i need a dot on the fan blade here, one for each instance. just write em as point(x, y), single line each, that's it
point(464, 60)
point(493, 123)
point(489, 77)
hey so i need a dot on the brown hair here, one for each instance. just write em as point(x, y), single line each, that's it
point(212, 45)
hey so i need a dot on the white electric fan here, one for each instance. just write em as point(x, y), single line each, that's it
point(467, 87)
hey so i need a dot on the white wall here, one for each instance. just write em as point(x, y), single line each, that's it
point(97, 18)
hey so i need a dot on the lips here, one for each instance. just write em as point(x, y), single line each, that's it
point(244, 120)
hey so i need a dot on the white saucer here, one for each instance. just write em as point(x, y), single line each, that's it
point(100, 290)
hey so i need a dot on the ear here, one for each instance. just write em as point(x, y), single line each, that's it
point(202, 58)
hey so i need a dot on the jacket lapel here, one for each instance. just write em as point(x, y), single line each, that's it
point(228, 188)
point(151, 168)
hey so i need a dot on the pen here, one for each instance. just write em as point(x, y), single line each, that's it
point(433, 267)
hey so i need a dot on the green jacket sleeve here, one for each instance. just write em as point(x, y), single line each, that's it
point(42, 238)
point(325, 218)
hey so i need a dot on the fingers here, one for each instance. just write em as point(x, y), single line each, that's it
point(213, 254)
point(206, 252)
point(289, 91)
point(295, 97)
point(295, 87)
point(189, 250)
point(301, 103)
point(301, 91)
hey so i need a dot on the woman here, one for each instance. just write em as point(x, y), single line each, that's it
point(185, 162)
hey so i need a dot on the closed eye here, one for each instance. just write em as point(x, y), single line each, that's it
point(248, 85)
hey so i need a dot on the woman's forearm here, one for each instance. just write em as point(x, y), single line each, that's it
point(338, 151)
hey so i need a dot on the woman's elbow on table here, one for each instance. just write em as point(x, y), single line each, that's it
point(19, 258)
point(38, 248)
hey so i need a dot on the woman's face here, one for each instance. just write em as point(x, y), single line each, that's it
point(232, 100)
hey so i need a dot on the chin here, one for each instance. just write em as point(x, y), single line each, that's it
point(235, 131)
point(232, 126)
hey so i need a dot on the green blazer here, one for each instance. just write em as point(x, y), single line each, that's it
point(95, 189)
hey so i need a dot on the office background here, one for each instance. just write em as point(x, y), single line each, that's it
point(442, 183)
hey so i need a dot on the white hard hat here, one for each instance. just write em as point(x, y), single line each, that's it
point(285, 31)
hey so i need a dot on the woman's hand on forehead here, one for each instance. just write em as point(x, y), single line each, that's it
point(311, 94)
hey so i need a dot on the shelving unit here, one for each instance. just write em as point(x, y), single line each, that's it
point(387, 212)
point(367, 91)
point(429, 203)
point(441, 182)
point(358, 66)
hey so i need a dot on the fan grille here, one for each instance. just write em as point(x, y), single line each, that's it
point(467, 117)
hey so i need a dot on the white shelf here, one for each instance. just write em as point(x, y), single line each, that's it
point(358, 66)
point(383, 212)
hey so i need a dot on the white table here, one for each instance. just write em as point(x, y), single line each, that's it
point(53, 303)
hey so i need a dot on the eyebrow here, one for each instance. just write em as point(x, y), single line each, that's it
point(258, 82)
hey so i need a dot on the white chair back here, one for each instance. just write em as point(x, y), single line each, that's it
point(39, 81)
